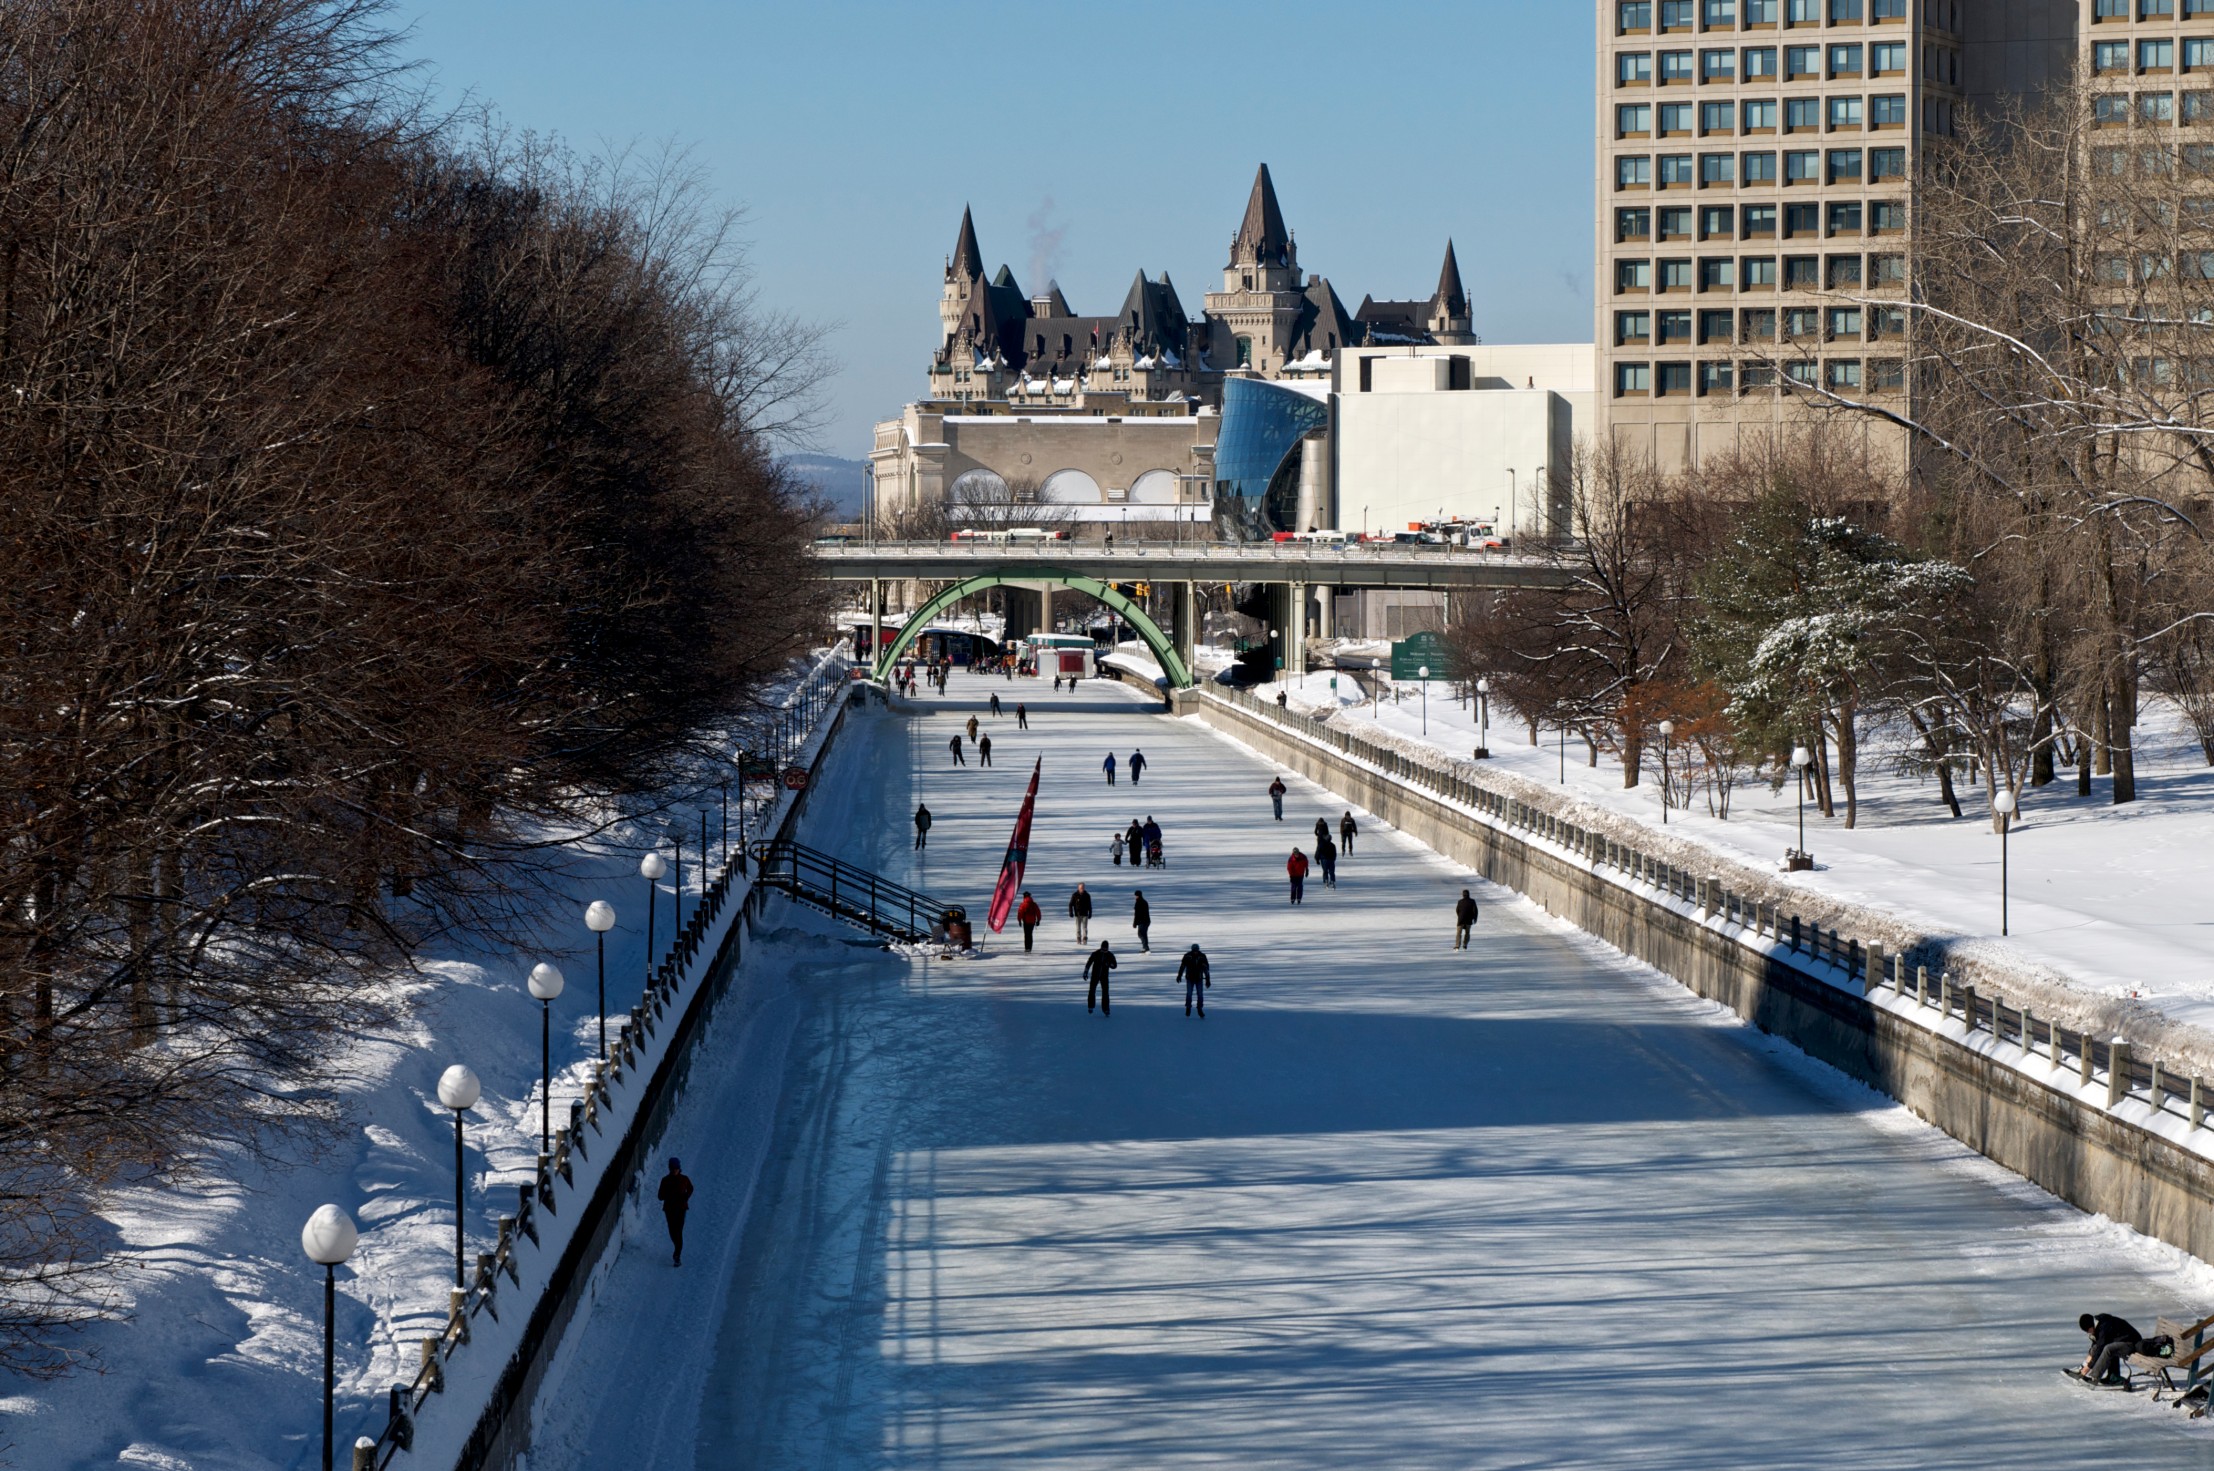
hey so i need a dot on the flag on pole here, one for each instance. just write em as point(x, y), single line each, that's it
point(1018, 853)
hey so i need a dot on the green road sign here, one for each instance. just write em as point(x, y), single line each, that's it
point(1412, 653)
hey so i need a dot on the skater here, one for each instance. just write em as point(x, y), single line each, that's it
point(1057, 684)
point(1095, 971)
point(2112, 1340)
point(1108, 766)
point(995, 704)
point(1027, 914)
point(1080, 910)
point(1141, 919)
point(1326, 859)
point(1114, 849)
point(984, 750)
point(972, 728)
point(954, 746)
point(1296, 866)
point(1137, 766)
point(1322, 832)
point(1347, 830)
point(1464, 919)
point(1276, 794)
point(1022, 716)
point(1192, 971)
point(922, 826)
point(675, 1195)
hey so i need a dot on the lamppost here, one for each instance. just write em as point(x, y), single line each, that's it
point(1423, 674)
point(1537, 484)
point(723, 830)
point(703, 852)
point(1483, 717)
point(651, 868)
point(2003, 804)
point(329, 1238)
point(1801, 759)
point(676, 879)
point(1667, 728)
point(599, 918)
point(458, 1089)
point(545, 983)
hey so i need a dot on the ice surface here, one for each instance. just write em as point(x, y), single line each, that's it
point(1386, 1206)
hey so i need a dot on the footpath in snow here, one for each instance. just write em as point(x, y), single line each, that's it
point(1386, 1205)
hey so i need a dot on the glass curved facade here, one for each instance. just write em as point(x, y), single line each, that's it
point(1262, 424)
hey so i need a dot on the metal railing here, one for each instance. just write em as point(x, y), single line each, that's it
point(1198, 554)
point(2116, 1064)
point(846, 891)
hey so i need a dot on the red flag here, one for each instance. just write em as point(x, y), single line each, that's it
point(1018, 853)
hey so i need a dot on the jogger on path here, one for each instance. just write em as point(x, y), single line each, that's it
point(922, 825)
point(1027, 914)
point(1464, 919)
point(1080, 910)
point(1296, 866)
point(1192, 971)
point(675, 1196)
point(1095, 971)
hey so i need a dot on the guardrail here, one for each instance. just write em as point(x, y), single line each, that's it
point(685, 959)
point(845, 890)
point(2123, 1069)
point(1269, 553)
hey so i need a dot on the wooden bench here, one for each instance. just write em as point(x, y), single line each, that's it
point(2191, 1362)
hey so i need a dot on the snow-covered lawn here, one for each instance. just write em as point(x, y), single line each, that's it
point(1387, 1205)
point(2120, 900)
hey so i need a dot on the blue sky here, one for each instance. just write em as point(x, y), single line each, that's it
point(1091, 140)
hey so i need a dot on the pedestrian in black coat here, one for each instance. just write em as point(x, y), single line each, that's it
point(922, 826)
point(1133, 838)
point(1080, 910)
point(1141, 919)
point(1096, 970)
point(1347, 830)
point(984, 750)
point(1464, 919)
point(954, 746)
point(1193, 972)
point(1022, 716)
point(1322, 831)
point(675, 1196)
point(1326, 859)
point(995, 703)
point(1137, 766)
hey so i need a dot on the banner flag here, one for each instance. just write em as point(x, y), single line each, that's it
point(1018, 853)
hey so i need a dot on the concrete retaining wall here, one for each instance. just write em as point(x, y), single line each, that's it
point(2095, 1157)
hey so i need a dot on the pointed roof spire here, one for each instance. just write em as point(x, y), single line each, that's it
point(1263, 228)
point(1450, 295)
point(968, 260)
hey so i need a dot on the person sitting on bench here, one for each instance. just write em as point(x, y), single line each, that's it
point(2112, 1340)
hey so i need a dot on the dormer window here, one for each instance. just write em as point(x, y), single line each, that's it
point(1249, 280)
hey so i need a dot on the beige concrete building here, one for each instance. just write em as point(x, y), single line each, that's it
point(1125, 462)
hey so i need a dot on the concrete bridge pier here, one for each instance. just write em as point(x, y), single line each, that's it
point(1184, 620)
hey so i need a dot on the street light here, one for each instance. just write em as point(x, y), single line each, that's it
point(545, 983)
point(1423, 674)
point(599, 918)
point(1537, 484)
point(329, 1238)
point(703, 853)
point(2003, 804)
point(458, 1089)
point(1801, 759)
point(1483, 716)
point(1668, 728)
point(651, 868)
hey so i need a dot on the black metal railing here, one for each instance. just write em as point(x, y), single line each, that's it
point(846, 890)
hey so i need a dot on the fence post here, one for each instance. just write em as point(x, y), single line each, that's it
point(2198, 1107)
point(2083, 1050)
point(1921, 985)
point(2154, 1092)
point(1968, 1008)
point(1795, 934)
point(2029, 1032)
point(2117, 1071)
point(1872, 979)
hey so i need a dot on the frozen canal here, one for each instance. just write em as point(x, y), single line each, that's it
point(1387, 1206)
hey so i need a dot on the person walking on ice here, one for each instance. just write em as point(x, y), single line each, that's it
point(1326, 859)
point(995, 704)
point(1276, 791)
point(675, 1196)
point(1322, 834)
point(1296, 866)
point(1464, 919)
point(1141, 919)
point(1022, 716)
point(1137, 766)
point(1108, 766)
point(1348, 829)
point(1027, 914)
point(954, 746)
point(984, 750)
point(972, 727)
point(922, 826)
point(1096, 969)
point(1192, 971)
point(1080, 910)
point(1114, 849)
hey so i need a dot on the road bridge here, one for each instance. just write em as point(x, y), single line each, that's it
point(968, 567)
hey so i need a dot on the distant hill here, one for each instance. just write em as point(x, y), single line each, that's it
point(837, 481)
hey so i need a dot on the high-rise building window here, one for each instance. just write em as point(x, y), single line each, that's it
point(2110, 56)
point(1802, 167)
point(1717, 222)
point(1802, 63)
point(1889, 10)
point(1673, 326)
point(1675, 224)
point(1803, 12)
point(1675, 171)
point(1717, 273)
point(1634, 68)
point(1633, 224)
point(1886, 374)
point(1887, 321)
point(1845, 113)
point(1675, 275)
point(1760, 221)
point(2156, 56)
point(1717, 117)
point(1675, 378)
point(1803, 114)
point(1800, 374)
point(1801, 273)
point(1760, 63)
point(1633, 172)
point(1758, 273)
point(2110, 109)
point(1888, 111)
point(1676, 15)
point(1674, 119)
point(2198, 53)
point(1721, 13)
point(1844, 165)
point(1634, 15)
point(2198, 7)
point(1845, 220)
point(1888, 58)
point(1759, 168)
point(1716, 326)
point(1802, 322)
point(1760, 325)
point(1760, 116)
point(2110, 9)
point(1633, 329)
point(1716, 169)
point(1844, 61)
point(1633, 120)
point(2198, 107)
point(1887, 272)
point(1802, 220)
point(1843, 374)
point(1633, 275)
point(1714, 377)
point(1886, 163)
point(1632, 378)
point(1675, 66)
point(2156, 107)
point(1756, 376)
point(1718, 66)
point(1760, 12)
point(2156, 9)
point(1843, 12)
point(1887, 216)
point(1844, 324)
point(1844, 271)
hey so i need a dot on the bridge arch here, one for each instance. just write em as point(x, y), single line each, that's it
point(1162, 647)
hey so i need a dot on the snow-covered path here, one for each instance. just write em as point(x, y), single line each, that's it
point(1388, 1205)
